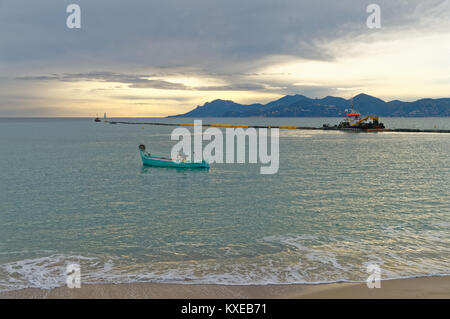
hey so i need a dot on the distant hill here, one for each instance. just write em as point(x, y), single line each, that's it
point(218, 108)
point(302, 106)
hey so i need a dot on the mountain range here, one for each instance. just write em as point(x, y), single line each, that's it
point(302, 106)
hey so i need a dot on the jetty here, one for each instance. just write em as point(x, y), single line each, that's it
point(289, 127)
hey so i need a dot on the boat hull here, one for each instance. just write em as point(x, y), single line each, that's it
point(165, 162)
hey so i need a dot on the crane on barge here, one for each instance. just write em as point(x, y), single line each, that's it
point(354, 121)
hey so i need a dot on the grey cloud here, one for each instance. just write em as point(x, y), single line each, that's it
point(158, 84)
point(38, 78)
point(135, 81)
point(138, 81)
point(162, 98)
point(233, 87)
point(213, 35)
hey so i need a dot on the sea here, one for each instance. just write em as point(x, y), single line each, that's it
point(73, 191)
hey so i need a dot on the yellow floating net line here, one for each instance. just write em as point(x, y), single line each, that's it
point(285, 127)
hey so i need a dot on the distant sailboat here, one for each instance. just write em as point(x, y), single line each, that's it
point(97, 119)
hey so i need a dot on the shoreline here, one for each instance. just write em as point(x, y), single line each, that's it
point(410, 288)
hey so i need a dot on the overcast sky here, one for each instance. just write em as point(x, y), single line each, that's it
point(164, 57)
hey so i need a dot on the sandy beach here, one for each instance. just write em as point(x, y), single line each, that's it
point(428, 287)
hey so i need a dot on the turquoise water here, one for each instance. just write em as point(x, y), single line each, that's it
point(74, 191)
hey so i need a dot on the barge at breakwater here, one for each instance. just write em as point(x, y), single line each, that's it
point(354, 122)
point(290, 127)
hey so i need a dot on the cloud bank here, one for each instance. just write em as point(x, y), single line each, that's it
point(187, 51)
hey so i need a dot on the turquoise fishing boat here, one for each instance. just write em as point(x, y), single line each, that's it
point(150, 160)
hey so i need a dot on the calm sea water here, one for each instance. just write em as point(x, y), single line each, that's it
point(74, 191)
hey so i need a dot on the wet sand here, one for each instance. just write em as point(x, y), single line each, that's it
point(428, 287)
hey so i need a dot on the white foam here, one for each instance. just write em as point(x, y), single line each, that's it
point(45, 272)
point(300, 259)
